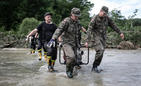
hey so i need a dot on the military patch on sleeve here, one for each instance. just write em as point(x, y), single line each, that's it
point(66, 19)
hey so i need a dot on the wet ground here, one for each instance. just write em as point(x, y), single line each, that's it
point(120, 68)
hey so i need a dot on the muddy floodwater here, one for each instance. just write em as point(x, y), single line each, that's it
point(20, 68)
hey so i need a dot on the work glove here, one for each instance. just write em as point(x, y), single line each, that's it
point(27, 38)
point(51, 43)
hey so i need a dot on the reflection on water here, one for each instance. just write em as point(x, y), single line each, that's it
point(19, 68)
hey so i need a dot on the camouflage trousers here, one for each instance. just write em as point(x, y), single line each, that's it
point(70, 57)
point(99, 46)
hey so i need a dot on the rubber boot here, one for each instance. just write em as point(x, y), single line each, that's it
point(40, 54)
point(45, 56)
point(70, 63)
point(95, 69)
point(49, 63)
point(52, 65)
point(78, 66)
point(69, 71)
point(32, 51)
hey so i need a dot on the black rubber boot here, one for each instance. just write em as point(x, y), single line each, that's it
point(69, 74)
point(49, 68)
point(49, 63)
point(40, 56)
point(78, 66)
point(69, 71)
point(95, 69)
point(52, 65)
point(32, 51)
point(70, 63)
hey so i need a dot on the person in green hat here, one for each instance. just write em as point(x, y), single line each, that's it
point(97, 35)
point(69, 30)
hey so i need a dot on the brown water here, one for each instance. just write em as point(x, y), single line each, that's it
point(19, 68)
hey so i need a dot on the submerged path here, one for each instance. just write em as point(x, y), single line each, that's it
point(19, 68)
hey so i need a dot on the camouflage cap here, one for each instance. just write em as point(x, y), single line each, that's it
point(105, 9)
point(47, 13)
point(76, 11)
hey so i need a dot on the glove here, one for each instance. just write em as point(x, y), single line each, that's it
point(27, 38)
point(51, 43)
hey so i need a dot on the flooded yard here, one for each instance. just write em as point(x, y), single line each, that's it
point(120, 68)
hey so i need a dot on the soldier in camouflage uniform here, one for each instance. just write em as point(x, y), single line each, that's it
point(70, 27)
point(97, 35)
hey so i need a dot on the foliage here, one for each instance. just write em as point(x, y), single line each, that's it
point(27, 25)
point(130, 27)
point(129, 22)
point(133, 36)
point(2, 29)
point(24, 15)
point(136, 22)
point(14, 11)
point(117, 18)
point(8, 19)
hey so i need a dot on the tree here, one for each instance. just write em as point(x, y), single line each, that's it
point(130, 20)
point(137, 22)
point(27, 25)
point(117, 18)
point(7, 17)
point(14, 11)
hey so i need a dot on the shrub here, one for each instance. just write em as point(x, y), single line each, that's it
point(2, 29)
point(133, 36)
point(27, 25)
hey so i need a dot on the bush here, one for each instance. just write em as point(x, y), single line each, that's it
point(2, 29)
point(27, 25)
point(137, 28)
point(132, 36)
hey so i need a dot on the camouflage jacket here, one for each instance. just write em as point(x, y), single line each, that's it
point(70, 29)
point(98, 26)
